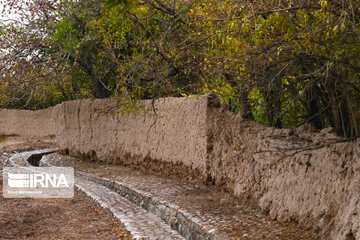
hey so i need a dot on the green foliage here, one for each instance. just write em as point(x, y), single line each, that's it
point(282, 63)
point(116, 3)
point(2, 139)
point(297, 61)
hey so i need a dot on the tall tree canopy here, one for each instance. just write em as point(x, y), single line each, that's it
point(282, 63)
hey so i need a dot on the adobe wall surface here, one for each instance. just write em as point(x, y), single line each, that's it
point(176, 134)
point(299, 175)
point(318, 187)
point(28, 124)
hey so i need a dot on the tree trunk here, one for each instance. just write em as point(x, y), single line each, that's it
point(313, 95)
point(245, 110)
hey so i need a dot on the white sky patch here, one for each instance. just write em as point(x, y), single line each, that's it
point(6, 17)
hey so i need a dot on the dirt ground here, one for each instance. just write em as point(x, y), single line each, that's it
point(76, 218)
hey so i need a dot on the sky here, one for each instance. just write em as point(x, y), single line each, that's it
point(5, 20)
point(6, 17)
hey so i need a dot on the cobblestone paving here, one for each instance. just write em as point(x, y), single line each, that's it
point(215, 214)
point(44, 219)
point(136, 220)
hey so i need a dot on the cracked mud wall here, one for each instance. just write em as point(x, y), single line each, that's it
point(175, 135)
point(37, 124)
point(319, 188)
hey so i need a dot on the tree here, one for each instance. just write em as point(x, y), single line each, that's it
point(282, 63)
point(33, 67)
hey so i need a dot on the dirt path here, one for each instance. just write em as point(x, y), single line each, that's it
point(75, 218)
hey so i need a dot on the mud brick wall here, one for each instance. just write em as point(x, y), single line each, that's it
point(319, 188)
point(175, 135)
point(28, 124)
point(299, 175)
